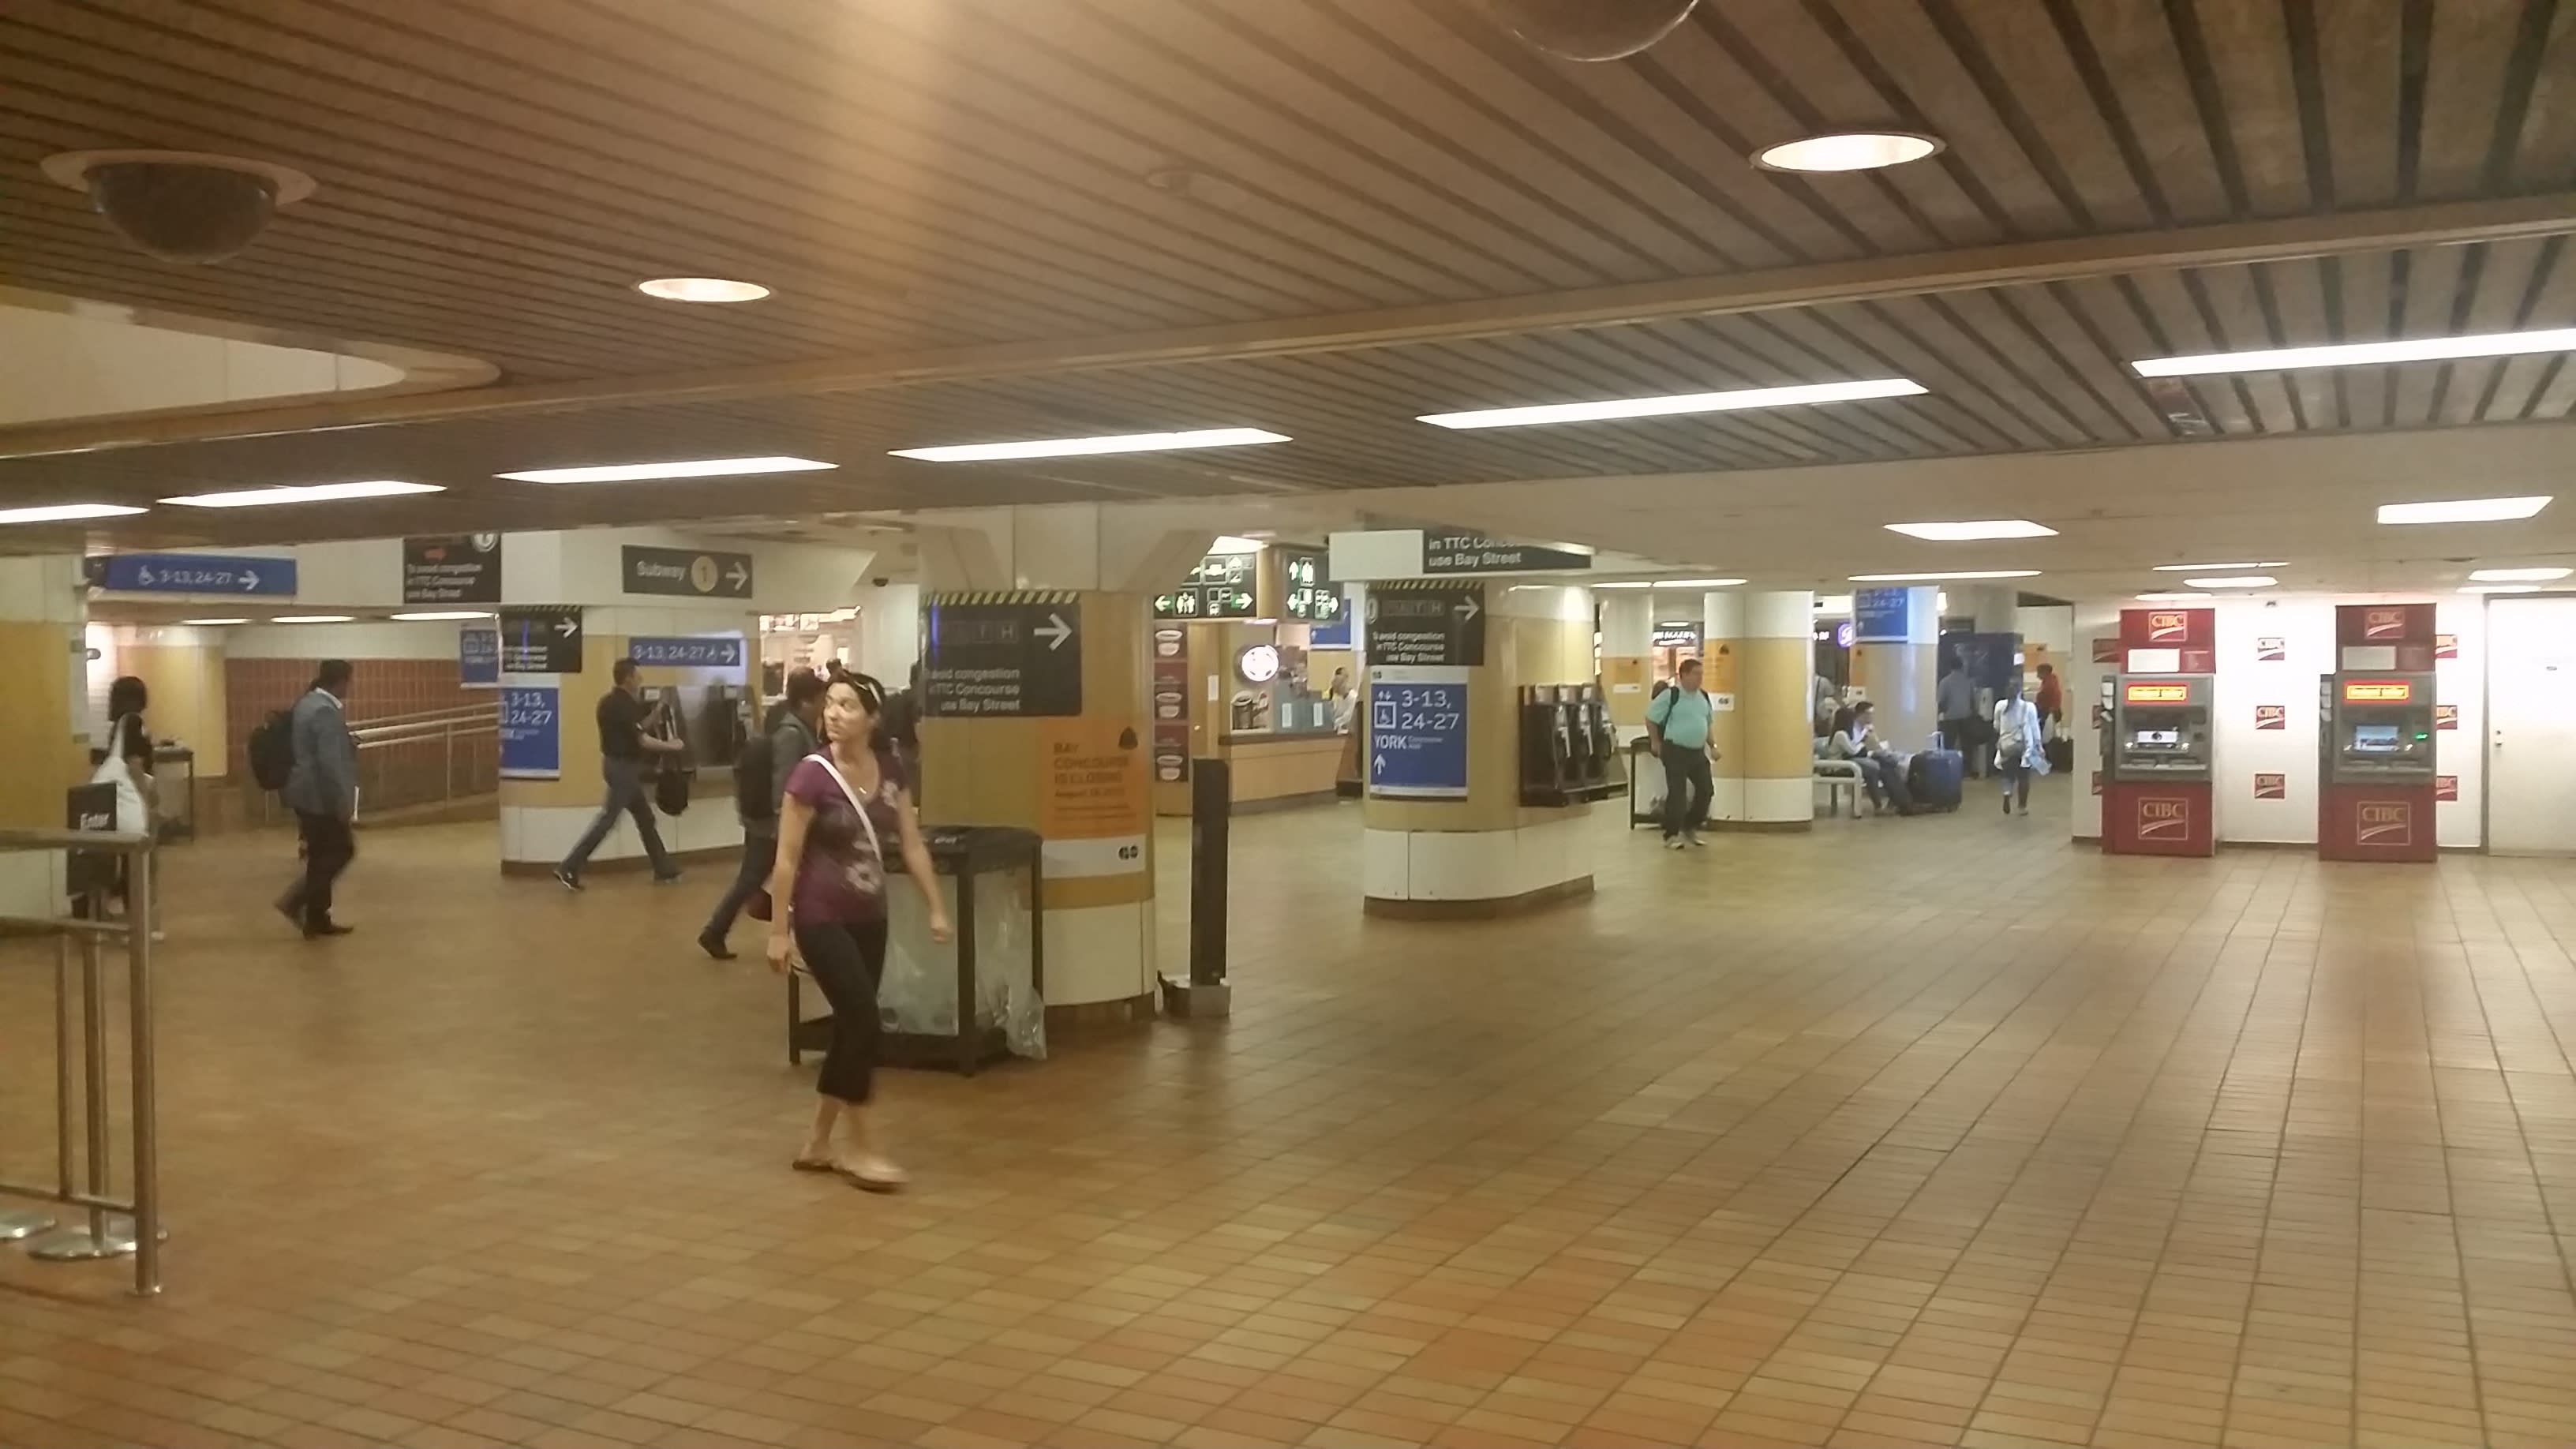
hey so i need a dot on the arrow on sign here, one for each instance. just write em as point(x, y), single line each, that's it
point(1468, 609)
point(250, 581)
point(1055, 631)
point(567, 628)
point(740, 576)
point(1381, 764)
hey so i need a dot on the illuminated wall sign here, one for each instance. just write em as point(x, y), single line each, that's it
point(2168, 626)
point(2378, 691)
point(2158, 694)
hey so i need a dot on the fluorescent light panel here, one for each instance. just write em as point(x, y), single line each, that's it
point(1944, 577)
point(314, 619)
point(1964, 532)
point(2171, 597)
point(2234, 581)
point(2211, 568)
point(682, 468)
point(2518, 576)
point(2360, 354)
point(439, 616)
point(211, 623)
point(2500, 588)
point(1847, 151)
point(65, 512)
point(1089, 447)
point(2463, 510)
point(1234, 543)
point(702, 289)
point(303, 493)
point(1690, 402)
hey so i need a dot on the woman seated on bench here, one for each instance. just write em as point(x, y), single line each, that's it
point(1882, 770)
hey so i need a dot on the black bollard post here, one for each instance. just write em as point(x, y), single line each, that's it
point(1206, 994)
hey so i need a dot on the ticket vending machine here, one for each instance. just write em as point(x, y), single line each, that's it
point(2375, 766)
point(2375, 745)
point(2156, 765)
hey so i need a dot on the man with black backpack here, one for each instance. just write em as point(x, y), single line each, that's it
point(760, 778)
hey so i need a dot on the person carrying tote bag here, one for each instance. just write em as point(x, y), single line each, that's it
point(125, 762)
point(2019, 751)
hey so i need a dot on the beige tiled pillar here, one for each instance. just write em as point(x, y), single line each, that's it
point(1775, 647)
point(1895, 669)
point(44, 717)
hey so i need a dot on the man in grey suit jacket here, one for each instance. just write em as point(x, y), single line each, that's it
point(323, 793)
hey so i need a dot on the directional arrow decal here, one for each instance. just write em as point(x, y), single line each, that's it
point(250, 581)
point(567, 627)
point(1055, 631)
point(740, 577)
point(1469, 608)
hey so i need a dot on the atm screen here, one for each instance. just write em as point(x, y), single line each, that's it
point(2156, 739)
point(2376, 739)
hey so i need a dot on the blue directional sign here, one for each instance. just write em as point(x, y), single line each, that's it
point(478, 658)
point(1417, 739)
point(685, 652)
point(1880, 615)
point(192, 573)
point(531, 733)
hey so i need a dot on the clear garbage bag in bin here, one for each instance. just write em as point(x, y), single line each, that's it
point(918, 995)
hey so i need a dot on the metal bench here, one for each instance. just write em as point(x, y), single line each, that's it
point(1842, 782)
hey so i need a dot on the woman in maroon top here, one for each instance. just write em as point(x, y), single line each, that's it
point(846, 804)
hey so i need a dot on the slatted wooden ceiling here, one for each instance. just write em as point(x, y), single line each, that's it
point(911, 173)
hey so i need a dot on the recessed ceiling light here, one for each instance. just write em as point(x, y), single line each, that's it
point(211, 623)
point(314, 619)
point(439, 616)
point(2234, 581)
point(1847, 151)
point(1234, 543)
point(702, 289)
point(1935, 578)
point(1678, 404)
point(2204, 568)
point(684, 468)
point(2463, 510)
point(1695, 583)
point(65, 512)
point(2518, 576)
point(2359, 354)
point(303, 493)
point(1087, 447)
point(2500, 588)
point(2174, 597)
point(1988, 528)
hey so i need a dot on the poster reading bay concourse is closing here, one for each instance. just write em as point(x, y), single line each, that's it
point(1093, 809)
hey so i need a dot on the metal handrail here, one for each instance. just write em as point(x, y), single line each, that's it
point(102, 1236)
point(427, 721)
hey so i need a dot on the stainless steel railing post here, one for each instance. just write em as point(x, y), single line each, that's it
point(140, 1056)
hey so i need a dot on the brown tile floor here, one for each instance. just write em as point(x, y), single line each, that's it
point(1931, 1131)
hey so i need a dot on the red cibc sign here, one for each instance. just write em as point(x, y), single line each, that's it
point(2157, 694)
point(2378, 691)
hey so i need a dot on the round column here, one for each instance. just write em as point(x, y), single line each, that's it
point(1775, 669)
point(1896, 637)
point(1721, 664)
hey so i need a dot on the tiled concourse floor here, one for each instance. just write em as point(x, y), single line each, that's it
point(1934, 1131)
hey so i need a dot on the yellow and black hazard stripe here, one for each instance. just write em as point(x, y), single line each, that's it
point(1424, 586)
point(1007, 596)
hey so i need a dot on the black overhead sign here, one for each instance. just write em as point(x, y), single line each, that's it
point(693, 573)
point(993, 655)
point(1426, 626)
point(452, 568)
point(1473, 553)
point(541, 639)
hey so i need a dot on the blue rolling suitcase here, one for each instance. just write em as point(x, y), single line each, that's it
point(1935, 777)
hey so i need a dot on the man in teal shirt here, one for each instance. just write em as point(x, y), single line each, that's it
point(1677, 726)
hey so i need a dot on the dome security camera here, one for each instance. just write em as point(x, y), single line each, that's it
point(181, 206)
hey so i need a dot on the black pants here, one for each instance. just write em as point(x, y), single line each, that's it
point(759, 854)
point(1960, 734)
point(1687, 789)
point(847, 959)
point(628, 794)
point(328, 849)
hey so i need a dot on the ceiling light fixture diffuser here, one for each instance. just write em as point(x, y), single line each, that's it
point(1679, 404)
point(1964, 532)
point(314, 619)
point(439, 616)
point(2500, 588)
point(683, 468)
point(66, 512)
point(2360, 354)
point(2210, 568)
point(1090, 447)
point(211, 623)
point(701, 289)
point(2175, 597)
point(2234, 581)
point(2518, 576)
point(2464, 510)
point(1935, 578)
point(303, 493)
point(1847, 151)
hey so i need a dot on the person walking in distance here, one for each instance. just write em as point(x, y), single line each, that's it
point(323, 793)
point(626, 736)
point(845, 805)
point(793, 734)
point(2018, 748)
point(1677, 726)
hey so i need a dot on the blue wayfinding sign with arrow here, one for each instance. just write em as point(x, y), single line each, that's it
point(1417, 737)
point(688, 651)
point(191, 573)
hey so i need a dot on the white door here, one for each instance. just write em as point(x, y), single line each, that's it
point(2531, 726)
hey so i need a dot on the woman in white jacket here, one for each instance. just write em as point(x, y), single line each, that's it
point(2019, 750)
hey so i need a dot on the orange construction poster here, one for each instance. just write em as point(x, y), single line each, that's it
point(1094, 808)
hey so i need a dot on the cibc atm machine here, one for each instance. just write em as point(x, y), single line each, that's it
point(2375, 740)
point(2156, 728)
